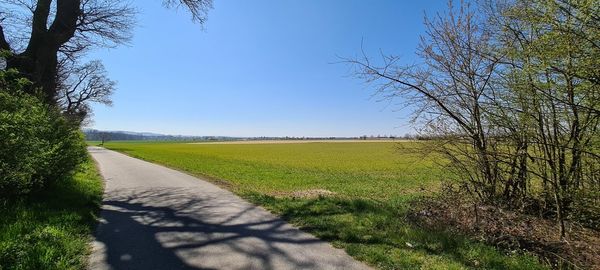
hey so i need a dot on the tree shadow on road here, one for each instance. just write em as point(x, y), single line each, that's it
point(173, 228)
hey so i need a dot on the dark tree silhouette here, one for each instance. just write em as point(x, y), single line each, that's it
point(43, 31)
point(79, 85)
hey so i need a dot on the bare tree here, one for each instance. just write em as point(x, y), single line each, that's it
point(79, 85)
point(104, 136)
point(450, 89)
point(67, 27)
point(198, 8)
point(512, 99)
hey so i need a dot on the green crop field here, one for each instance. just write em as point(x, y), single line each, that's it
point(373, 170)
point(353, 194)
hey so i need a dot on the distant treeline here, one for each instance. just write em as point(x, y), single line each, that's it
point(98, 135)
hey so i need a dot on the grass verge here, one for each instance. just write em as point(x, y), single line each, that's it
point(52, 229)
point(379, 234)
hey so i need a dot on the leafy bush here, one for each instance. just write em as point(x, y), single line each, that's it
point(37, 145)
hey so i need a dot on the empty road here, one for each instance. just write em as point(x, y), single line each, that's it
point(157, 218)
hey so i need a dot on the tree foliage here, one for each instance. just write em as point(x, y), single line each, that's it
point(511, 91)
point(37, 146)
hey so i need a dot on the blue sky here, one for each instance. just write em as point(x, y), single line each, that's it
point(259, 68)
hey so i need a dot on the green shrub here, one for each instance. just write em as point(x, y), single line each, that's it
point(37, 145)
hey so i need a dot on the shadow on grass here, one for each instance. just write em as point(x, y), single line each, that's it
point(50, 229)
point(380, 234)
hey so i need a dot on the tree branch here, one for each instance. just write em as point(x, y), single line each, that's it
point(198, 8)
point(3, 42)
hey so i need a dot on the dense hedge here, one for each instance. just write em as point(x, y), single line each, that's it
point(37, 144)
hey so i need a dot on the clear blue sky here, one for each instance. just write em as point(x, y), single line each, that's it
point(259, 68)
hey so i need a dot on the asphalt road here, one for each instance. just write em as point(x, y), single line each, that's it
point(158, 218)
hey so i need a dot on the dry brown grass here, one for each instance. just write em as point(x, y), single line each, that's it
point(512, 231)
point(305, 194)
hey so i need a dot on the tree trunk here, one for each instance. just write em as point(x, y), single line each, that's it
point(38, 62)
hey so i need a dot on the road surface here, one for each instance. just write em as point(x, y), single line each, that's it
point(157, 218)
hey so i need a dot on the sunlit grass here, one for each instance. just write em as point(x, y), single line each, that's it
point(372, 183)
point(344, 168)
